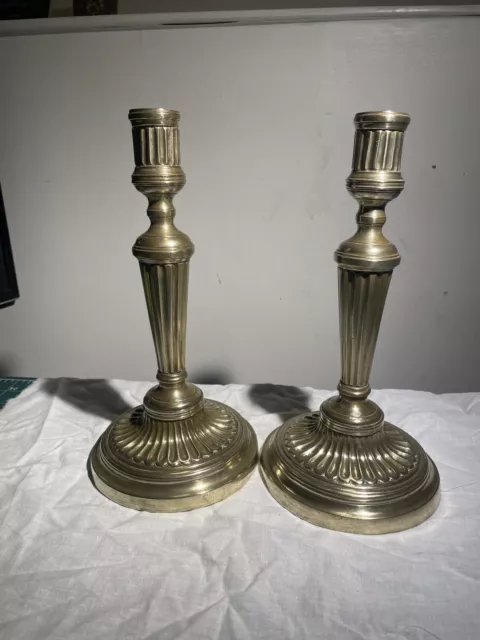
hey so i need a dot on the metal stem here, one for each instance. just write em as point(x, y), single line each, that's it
point(164, 252)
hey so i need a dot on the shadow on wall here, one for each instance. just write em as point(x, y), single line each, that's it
point(8, 365)
point(284, 400)
point(99, 398)
point(96, 397)
point(211, 376)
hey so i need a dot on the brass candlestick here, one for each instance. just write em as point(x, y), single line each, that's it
point(344, 467)
point(177, 451)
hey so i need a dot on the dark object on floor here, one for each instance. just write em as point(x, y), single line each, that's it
point(94, 7)
point(8, 279)
point(23, 9)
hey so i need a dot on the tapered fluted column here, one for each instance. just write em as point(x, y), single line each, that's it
point(164, 253)
point(365, 265)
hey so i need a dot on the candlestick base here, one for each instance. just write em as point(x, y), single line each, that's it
point(377, 483)
point(163, 465)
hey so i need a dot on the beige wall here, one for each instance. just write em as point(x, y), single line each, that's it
point(266, 142)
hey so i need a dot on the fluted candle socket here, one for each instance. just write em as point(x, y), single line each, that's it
point(177, 451)
point(344, 467)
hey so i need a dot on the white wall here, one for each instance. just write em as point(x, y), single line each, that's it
point(266, 139)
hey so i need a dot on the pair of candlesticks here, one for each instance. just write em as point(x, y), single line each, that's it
point(342, 467)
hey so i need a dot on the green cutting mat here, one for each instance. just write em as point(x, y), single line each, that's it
point(12, 387)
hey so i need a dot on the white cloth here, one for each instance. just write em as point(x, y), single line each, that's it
point(75, 565)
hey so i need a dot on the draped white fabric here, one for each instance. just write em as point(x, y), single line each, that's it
point(75, 565)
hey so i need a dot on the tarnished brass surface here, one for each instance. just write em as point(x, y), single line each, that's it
point(177, 451)
point(344, 467)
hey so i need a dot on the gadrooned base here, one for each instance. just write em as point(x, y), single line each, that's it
point(373, 484)
point(170, 466)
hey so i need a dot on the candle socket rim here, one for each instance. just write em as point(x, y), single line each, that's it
point(154, 117)
point(391, 120)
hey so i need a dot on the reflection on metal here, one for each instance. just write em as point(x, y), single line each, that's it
point(344, 467)
point(177, 451)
